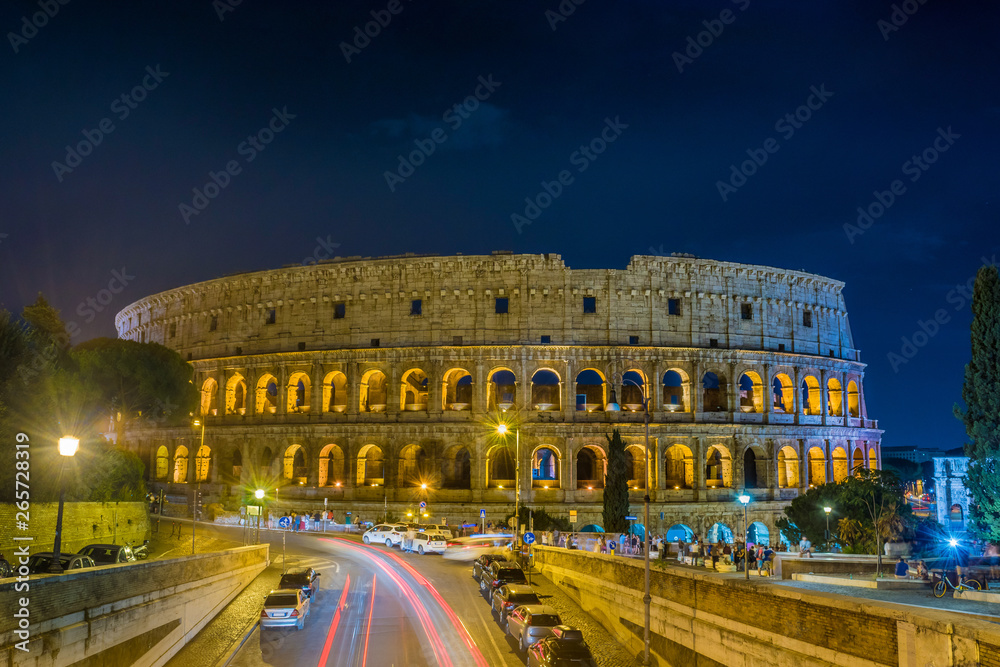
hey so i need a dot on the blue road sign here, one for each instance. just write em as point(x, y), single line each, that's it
point(422, 504)
point(482, 514)
point(631, 518)
point(284, 522)
point(612, 545)
point(529, 538)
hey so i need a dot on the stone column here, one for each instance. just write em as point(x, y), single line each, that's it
point(480, 404)
point(698, 453)
point(697, 391)
point(570, 468)
point(828, 455)
point(353, 389)
point(768, 390)
point(311, 450)
point(220, 394)
point(316, 399)
point(394, 389)
point(824, 396)
point(804, 472)
point(282, 382)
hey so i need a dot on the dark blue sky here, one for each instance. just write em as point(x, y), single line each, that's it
point(654, 189)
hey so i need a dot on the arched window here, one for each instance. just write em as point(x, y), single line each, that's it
point(545, 391)
point(853, 400)
point(591, 465)
point(413, 393)
point(714, 393)
point(162, 462)
point(209, 397)
point(840, 468)
point(373, 392)
point(817, 467)
point(371, 467)
point(412, 466)
point(750, 469)
point(857, 461)
point(758, 534)
point(679, 465)
point(633, 388)
point(590, 391)
point(675, 391)
point(295, 464)
point(456, 472)
point(720, 532)
point(545, 468)
point(335, 392)
point(834, 398)
point(788, 468)
point(266, 462)
point(956, 517)
point(784, 396)
point(811, 396)
point(237, 465)
point(718, 468)
point(501, 390)
point(180, 464)
point(635, 457)
point(236, 395)
point(872, 459)
point(203, 463)
point(679, 531)
point(500, 467)
point(331, 466)
point(298, 393)
point(456, 390)
point(751, 396)
point(267, 395)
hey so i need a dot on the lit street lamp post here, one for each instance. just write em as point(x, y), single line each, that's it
point(646, 598)
point(67, 448)
point(745, 499)
point(502, 430)
point(828, 510)
point(197, 490)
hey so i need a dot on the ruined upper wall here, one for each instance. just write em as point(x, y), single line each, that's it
point(230, 316)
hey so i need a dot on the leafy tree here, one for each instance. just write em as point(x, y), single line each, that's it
point(805, 515)
point(616, 486)
point(981, 416)
point(876, 495)
point(118, 476)
point(542, 520)
point(133, 382)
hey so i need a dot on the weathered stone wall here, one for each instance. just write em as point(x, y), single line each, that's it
point(699, 619)
point(133, 614)
point(949, 486)
point(83, 524)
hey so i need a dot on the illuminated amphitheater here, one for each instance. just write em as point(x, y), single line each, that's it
point(377, 384)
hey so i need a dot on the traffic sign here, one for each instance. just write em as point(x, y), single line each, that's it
point(482, 514)
point(529, 538)
point(284, 522)
point(631, 518)
point(612, 545)
point(423, 504)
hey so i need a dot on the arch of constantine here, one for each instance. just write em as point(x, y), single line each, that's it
point(379, 383)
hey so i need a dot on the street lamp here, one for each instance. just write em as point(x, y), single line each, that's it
point(258, 494)
point(828, 510)
point(197, 476)
point(613, 406)
point(67, 448)
point(502, 430)
point(745, 499)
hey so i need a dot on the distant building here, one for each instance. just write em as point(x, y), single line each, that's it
point(952, 496)
point(911, 454)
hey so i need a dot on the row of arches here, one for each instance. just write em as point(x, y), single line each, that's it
point(546, 392)
point(453, 468)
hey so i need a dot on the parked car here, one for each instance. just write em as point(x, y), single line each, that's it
point(508, 596)
point(382, 533)
point(498, 574)
point(307, 579)
point(531, 623)
point(439, 528)
point(482, 563)
point(284, 607)
point(109, 554)
point(39, 563)
point(564, 648)
point(470, 548)
point(424, 543)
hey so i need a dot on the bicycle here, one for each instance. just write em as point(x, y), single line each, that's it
point(943, 584)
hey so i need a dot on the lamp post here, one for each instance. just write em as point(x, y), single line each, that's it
point(502, 430)
point(67, 448)
point(828, 510)
point(745, 499)
point(197, 476)
point(646, 598)
point(259, 495)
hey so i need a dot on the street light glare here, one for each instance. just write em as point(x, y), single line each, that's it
point(423, 486)
point(502, 429)
point(68, 445)
point(259, 493)
point(827, 509)
point(744, 499)
point(953, 542)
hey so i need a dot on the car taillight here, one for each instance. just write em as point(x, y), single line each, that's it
point(295, 612)
point(263, 613)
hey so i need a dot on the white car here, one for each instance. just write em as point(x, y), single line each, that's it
point(424, 543)
point(389, 534)
point(437, 528)
point(471, 548)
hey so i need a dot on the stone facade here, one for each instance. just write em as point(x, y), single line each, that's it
point(949, 487)
point(362, 380)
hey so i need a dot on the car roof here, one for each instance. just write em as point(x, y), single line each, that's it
point(103, 546)
point(290, 591)
point(301, 570)
point(519, 588)
point(540, 609)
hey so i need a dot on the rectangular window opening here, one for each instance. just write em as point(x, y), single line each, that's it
point(781, 347)
point(214, 324)
point(746, 311)
point(173, 329)
point(807, 318)
point(456, 340)
point(590, 304)
point(673, 306)
point(713, 342)
point(302, 347)
point(416, 307)
point(339, 310)
point(375, 342)
point(501, 305)
point(633, 340)
point(546, 340)
point(272, 316)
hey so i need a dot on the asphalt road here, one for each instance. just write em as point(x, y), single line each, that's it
point(379, 607)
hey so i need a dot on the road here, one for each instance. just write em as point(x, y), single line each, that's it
point(379, 607)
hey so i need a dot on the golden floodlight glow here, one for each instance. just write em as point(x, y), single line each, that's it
point(423, 486)
point(68, 445)
point(258, 494)
point(502, 429)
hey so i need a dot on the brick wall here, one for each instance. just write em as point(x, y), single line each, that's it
point(83, 524)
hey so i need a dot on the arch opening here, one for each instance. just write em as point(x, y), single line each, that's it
point(335, 392)
point(713, 393)
point(591, 467)
point(679, 467)
point(675, 391)
point(414, 391)
point(501, 390)
point(456, 390)
point(374, 392)
point(545, 386)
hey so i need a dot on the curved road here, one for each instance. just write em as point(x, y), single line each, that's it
point(379, 607)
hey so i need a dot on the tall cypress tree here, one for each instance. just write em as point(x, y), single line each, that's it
point(981, 394)
point(616, 486)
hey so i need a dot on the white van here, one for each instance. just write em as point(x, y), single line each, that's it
point(389, 534)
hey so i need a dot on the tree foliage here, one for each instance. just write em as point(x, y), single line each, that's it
point(875, 498)
point(805, 515)
point(616, 502)
point(981, 414)
point(118, 477)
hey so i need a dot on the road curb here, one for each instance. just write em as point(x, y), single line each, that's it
point(235, 647)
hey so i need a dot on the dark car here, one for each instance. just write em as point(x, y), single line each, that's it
point(306, 579)
point(39, 563)
point(498, 575)
point(564, 648)
point(508, 596)
point(483, 562)
point(108, 554)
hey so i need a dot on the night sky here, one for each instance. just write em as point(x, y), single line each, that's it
point(883, 89)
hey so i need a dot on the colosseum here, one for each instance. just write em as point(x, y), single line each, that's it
point(376, 384)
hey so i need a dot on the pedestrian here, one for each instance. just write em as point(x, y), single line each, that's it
point(902, 569)
point(727, 553)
